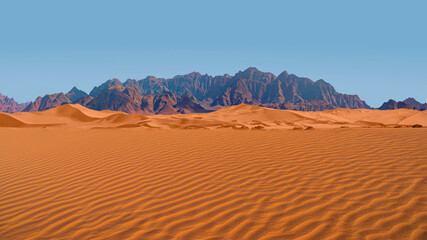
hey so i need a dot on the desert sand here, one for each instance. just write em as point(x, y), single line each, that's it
point(236, 117)
point(241, 172)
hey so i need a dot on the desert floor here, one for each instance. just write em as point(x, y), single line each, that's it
point(142, 183)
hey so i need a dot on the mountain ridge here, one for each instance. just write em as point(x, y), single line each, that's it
point(409, 103)
point(194, 92)
point(9, 105)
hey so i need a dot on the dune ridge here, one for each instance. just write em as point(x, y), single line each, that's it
point(235, 117)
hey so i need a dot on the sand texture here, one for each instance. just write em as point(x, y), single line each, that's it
point(74, 173)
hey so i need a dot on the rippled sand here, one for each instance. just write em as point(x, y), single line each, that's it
point(136, 183)
point(237, 173)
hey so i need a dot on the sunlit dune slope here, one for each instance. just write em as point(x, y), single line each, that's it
point(236, 117)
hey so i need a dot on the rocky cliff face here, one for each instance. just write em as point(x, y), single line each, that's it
point(9, 105)
point(285, 91)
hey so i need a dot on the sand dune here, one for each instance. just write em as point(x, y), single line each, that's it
point(110, 175)
point(235, 117)
point(8, 121)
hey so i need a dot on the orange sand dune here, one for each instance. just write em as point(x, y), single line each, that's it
point(237, 117)
point(83, 174)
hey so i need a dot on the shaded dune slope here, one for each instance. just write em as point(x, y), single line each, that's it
point(9, 121)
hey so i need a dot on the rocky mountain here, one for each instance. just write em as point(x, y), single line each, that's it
point(84, 101)
point(75, 94)
point(128, 99)
point(169, 103)
point(409, 103)
point(47, 102)
point(113, 95)
point(414, 103)
point(117, 99)
point(286, 91)
point(55, 100)
point(105, 86)
point(195, 92)
point(392, 104)
point(9, 105)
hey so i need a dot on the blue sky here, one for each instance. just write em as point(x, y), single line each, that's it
point(376, 49)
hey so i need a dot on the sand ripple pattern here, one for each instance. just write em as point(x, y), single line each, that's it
point(204, 184)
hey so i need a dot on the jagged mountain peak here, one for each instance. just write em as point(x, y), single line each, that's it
point(251, 69)
point(283, 75)
point(115, 81)
point(75, 94)
point(253, 73)
point(74, 89)
point(412, 101)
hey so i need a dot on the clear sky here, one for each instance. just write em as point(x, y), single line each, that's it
point(376, 49)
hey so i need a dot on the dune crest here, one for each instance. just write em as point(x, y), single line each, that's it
point(242, 116)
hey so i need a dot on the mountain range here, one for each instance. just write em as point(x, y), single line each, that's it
point(409, 103)
point(194, 92)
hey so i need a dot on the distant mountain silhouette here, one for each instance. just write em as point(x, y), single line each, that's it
point(416, 104)
point(9, 105)
point(194, 92)
point(409, 103)
point(75, 94)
